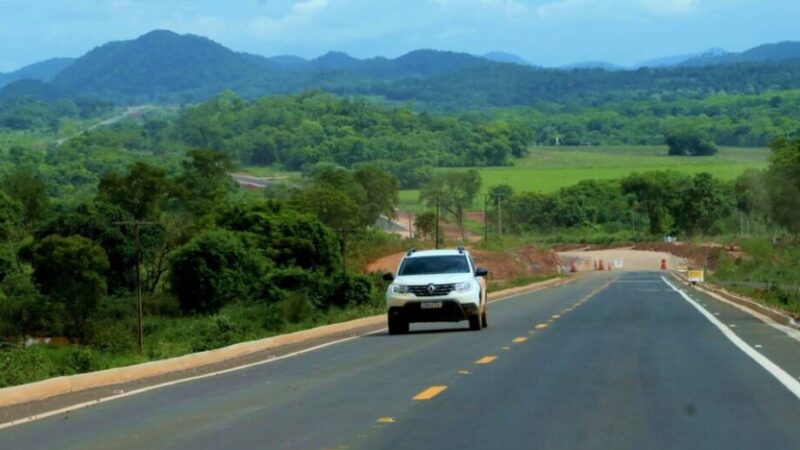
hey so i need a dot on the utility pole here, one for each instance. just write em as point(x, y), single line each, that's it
point(436, 244)
point(343, 232)
point(499, 198)
point(139, 306)
point(485, 217)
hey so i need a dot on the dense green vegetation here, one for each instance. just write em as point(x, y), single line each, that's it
point(221, 264)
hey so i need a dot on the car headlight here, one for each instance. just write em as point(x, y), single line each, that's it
point(464, 287)
point(399, 289)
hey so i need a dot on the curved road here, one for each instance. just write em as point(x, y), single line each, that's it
point(611, 361)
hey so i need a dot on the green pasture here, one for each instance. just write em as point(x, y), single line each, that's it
point(546, 169)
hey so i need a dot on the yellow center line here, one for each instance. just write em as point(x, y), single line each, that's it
point(385, 420)
point(429, 393)
point(486, 359)
point(519, 340)
point(463, 372)
point(541, 325)
point(556, 316)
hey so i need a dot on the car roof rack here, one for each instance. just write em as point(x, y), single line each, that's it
point(410, 251)
point(461, 249)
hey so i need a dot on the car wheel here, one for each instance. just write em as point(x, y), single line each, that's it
point(475, 322)
point(483, 319)
point(398, 325)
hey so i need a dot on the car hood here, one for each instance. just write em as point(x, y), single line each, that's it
point(417, 280)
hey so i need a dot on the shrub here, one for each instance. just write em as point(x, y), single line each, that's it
point(296, 307)
point(215, 268)
point(20, 365)
point(352, 289)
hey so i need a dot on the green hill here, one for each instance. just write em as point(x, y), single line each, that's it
point(41, 71)
point(160, 63)
point(165, 67)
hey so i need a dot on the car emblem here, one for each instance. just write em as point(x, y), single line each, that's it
point(431, 289)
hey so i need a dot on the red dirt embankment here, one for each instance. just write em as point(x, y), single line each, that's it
point(501, 265)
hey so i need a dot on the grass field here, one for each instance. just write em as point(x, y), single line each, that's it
point(546, 169)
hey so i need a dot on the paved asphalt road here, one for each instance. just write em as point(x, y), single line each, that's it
point(589, 365)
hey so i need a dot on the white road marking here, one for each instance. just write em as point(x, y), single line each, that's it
point(67, 409)
point(781, 375)
point(271, 359)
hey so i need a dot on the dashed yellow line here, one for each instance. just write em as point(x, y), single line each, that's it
point(556, 316)
point(386, 420)
point(541, 326)
point(519, 340)
point(464, 372)
point(429, 393)
point(486, 360)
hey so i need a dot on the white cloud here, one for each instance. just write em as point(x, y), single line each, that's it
point(670, 7)
point(310, 6)
point(566, 9)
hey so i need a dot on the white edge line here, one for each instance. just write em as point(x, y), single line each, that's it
point(781, 375)
point(174, 382)
point(98, 401)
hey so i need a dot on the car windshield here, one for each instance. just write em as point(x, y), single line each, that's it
point(427, 265)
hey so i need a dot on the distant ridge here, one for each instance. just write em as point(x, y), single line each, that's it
point(593, 65)
point(678, 59)
point(780, 51)
point(165, 67)
point(42, 71)
point(159, 62)
point(505, 57)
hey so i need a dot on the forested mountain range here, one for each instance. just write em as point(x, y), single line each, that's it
point(43, 71)
point(165, 67)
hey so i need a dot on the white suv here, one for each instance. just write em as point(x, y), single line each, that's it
point(436, 286)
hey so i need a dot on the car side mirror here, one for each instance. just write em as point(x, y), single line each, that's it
point(388, 277)
point(481, 272)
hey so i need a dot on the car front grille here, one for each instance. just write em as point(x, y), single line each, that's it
point(425, 291)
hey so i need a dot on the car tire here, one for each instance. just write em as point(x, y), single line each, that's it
point(475, 322)
point(483, 319)
point(398, 325)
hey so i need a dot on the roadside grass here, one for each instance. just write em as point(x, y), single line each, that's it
point(766, 272)
point(172, 336)
point(494, 285)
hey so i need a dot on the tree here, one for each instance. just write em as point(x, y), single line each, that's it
point(783, 184)
point(690, 142)
point(96, 221)
point(286, 237)
point(215, 268)
point(71, 270)
point(752, 197)
point(454, 192)
point(10, 216)
point(703, 203)
point(332, 207)
point(425, 224)
point(656, 194)
point(28, 189)
point(205, 180)
point(381, 189)
point(143, 192)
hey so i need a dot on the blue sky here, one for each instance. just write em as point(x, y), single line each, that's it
point(546, 32)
